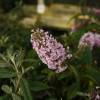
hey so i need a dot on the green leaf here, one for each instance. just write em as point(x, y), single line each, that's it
point(93, 74)
point(83, 94)
point(3, 98)
point(3, 65)
point(74, 70)
point(25, 90)
point(38, 86)
point(72, 91)
point(75, 37)
point(63, 76)
point(86, 56)
point(16, 97)
point(7, 89)
point(6, 73)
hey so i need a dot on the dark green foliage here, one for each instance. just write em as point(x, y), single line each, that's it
point(6, 73)
point(38, 86)
point(85, 56)
point(26, 90)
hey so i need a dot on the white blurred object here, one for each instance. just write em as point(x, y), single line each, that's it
point(41, 7)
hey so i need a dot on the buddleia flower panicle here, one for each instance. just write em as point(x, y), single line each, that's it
point(87, 40)
point(97, 40)
point(51, 52)
point(90, 39)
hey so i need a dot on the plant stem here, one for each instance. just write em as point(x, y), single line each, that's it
point(18, 82)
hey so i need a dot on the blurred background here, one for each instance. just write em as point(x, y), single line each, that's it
point(55, 14)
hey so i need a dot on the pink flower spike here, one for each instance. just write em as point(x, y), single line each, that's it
point(87, 40)
point(90, 39)
point(97, 40)
point(51, 52)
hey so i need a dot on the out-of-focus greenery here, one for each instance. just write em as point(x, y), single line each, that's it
point(24, 77)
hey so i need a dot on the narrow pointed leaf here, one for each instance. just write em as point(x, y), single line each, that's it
point(26, 90)
point(6, 73)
